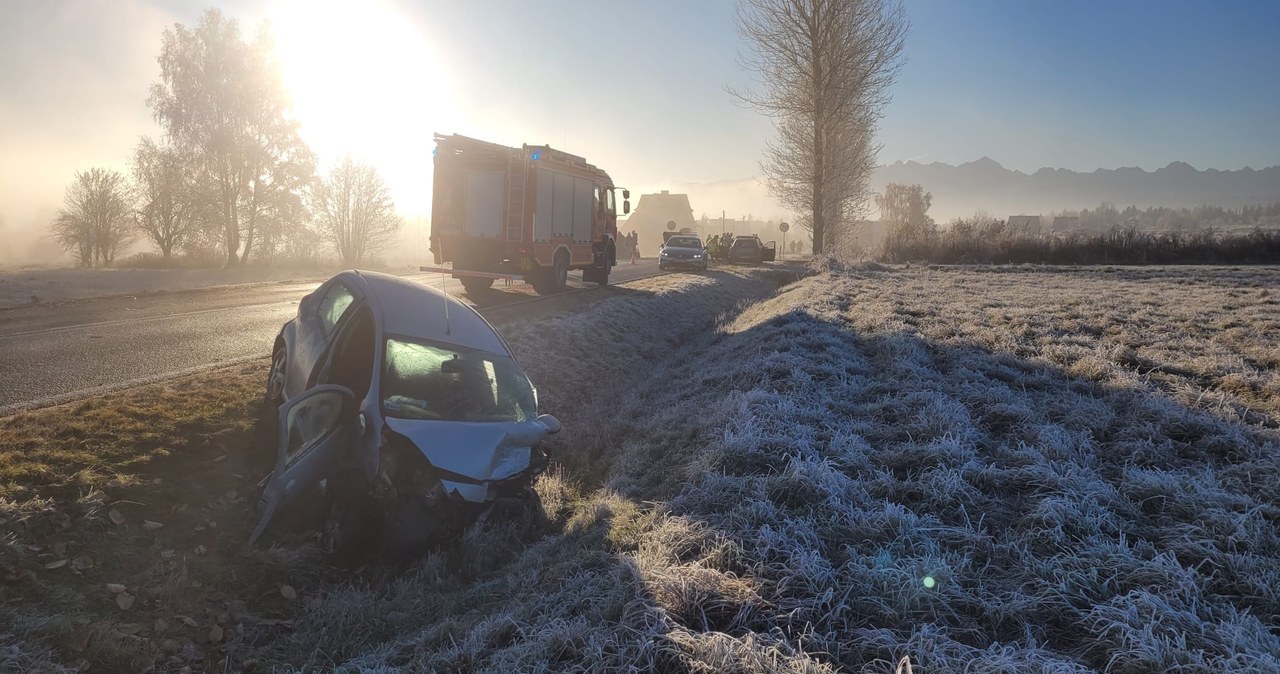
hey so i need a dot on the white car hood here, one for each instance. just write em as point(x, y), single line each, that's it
point(479, 450)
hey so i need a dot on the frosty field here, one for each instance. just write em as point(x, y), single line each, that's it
point(983, 469)
point(987, 470)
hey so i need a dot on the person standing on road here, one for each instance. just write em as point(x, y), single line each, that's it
point(635, 247)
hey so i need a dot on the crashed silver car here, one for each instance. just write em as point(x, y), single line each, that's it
point(402, 409)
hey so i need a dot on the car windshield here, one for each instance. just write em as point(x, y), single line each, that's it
point(684, 242)
point(433, 381)
point(744, 243)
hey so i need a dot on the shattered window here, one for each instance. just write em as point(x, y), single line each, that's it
point(333, 306)
point(433, 381)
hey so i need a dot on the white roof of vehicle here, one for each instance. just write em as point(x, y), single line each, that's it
point(412, 309)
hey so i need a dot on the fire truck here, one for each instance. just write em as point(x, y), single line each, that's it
point(530, 213)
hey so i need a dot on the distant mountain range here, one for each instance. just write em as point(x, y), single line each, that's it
point(985, 184)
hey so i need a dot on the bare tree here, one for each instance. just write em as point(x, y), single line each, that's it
point(904, 213)
point(96, 220)
point(168, 198)
point(221, 101)
point(906, 207)
point(354, 211)
point(825, 68)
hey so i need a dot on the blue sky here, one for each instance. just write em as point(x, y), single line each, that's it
point(639, 88)
point(1088, 84)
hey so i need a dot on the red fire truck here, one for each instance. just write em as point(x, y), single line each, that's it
point(526, 213)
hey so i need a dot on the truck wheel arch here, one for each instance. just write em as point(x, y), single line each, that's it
point(556, 253)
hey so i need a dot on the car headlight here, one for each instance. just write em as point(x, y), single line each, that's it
point(697, 256)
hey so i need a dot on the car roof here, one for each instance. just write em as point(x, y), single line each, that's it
point(411, 309)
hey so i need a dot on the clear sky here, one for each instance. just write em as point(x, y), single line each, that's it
point(639, 87)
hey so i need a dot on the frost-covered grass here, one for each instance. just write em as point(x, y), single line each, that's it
point(777, 491)
point(999, 470)
point(1019, 471)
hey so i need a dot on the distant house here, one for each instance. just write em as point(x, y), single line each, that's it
point(1027, 223)
point(1064, 223)
point(651, 215)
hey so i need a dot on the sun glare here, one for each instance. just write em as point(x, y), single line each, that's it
point(365, 81)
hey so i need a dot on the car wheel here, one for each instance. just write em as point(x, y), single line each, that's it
point(340, 531)
point(524, 509)
point(276, 377)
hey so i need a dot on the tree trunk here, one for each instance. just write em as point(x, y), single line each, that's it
point(233, 245)
point(819, 150)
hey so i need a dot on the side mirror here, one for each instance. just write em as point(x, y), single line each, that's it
point(626, 206)
point(552, 423)
point(626, 194)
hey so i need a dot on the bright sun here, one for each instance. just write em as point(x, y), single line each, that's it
point(365, 81)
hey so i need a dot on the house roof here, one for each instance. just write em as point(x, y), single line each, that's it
point(659, 209)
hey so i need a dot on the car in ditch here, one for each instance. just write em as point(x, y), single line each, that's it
point(682, 250)
point(750, 250)
point(401, 410)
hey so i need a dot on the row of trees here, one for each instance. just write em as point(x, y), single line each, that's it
point(229, 174)
point(1167, 219)
point(911, 235)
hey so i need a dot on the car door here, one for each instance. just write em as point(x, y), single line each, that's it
point(319, 317)
point(315, 431)
point(769, 252)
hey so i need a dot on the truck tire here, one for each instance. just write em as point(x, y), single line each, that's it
point(551, 280)
point(474, 284)
point(560, 273)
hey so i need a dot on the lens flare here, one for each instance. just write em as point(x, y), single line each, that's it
point(929, 582)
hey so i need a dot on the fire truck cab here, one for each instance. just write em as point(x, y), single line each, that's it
point(530, 213)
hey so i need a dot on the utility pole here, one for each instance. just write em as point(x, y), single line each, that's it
point(722, 222)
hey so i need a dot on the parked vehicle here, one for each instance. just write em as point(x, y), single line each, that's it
point(682, 250)
point(402, 409)
point(528, 213)
point(749, 249)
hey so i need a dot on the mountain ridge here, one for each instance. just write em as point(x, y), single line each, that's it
point(986, 184)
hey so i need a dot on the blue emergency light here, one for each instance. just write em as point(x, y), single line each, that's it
point(535, 155)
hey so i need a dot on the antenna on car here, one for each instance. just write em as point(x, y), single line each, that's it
point(444, 287)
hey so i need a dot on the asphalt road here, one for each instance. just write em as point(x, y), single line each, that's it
point(54, 353)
